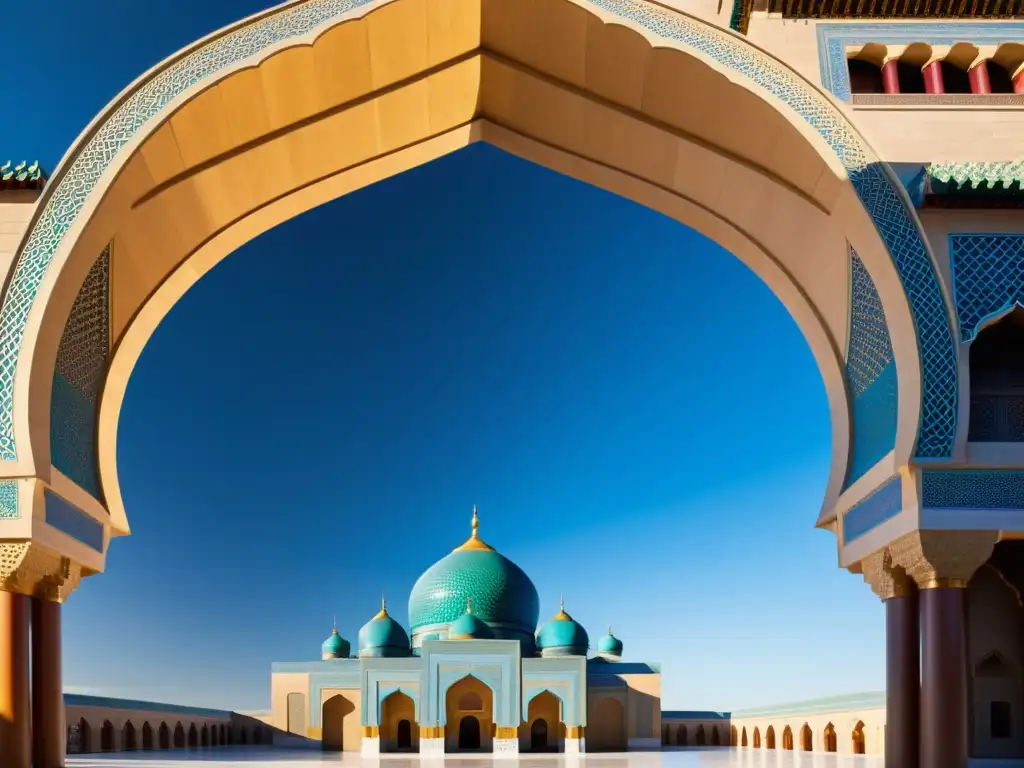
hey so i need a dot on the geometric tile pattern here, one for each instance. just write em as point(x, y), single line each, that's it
point(895, 222)
point(833, 38)
point(972, 489)
point(9, 500)
point(870, 375)
point(78, 377)
point(988, 278)
point(883, 503)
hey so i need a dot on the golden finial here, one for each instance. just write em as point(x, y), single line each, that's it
point(562, 615)
point(335, 625)
point(609, 629)
point(383, 614)
point(474, 541)
point(469, 604)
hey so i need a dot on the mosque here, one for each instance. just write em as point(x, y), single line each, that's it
point(473, 674)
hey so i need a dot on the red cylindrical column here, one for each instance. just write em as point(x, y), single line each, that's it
point(943, 675)
point(978, 75)
point(15, 715)
point(47, 689)
point(902, 679)
point(933, 80)
point(891, 76)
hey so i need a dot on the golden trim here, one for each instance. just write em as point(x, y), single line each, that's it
point(944, 584)
point(474, 541)
point(505, 732)
point(371, 731)
point(431, 731)
point(574, 731)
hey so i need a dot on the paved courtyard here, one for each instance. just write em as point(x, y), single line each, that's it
point(304, 758)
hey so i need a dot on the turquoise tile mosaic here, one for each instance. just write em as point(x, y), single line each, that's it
point(873, 510)
point(9, 500)
point(78, 378)
point(988, 277)
point(870, 376)
point(895, 222)
point(972, 489)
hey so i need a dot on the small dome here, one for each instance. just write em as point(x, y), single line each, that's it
point(609, 646)
point(563, 636)
point(468, 626)
point(383, 636)
point(335, 646)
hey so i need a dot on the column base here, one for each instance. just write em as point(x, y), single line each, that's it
point(573, 746)
point(370, 746)
point(433, 747)
point(506, 747)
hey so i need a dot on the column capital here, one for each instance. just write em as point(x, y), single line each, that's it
point(28, 568)
point(885, 579)
point(942, 558)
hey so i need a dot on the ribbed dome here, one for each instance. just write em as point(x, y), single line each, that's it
point(335, 646)
point(504, 598)
point(609, 646)
point(563, 636)
point(468, 626)
point(383, 636)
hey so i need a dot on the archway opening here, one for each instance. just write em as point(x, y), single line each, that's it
point(757, 738)
point(700, 737)
point(997, 382)
point(743, 738)
point(544, 708)
point(858, 738)
point(84, 736)
point(716, 739)
point(337, 718)
point(682, 737)
point(733, 738)
point(107, 736)
point(164, 736)
point(831, 742)
point(147, 736)
point(193, 736)
point(865, 76)
point(204, 736)
point(806, 739)
point(769, 737)
point(469, 706)
point(397, 708)
point(787, 738)
point(539, 736)
point(128, 741)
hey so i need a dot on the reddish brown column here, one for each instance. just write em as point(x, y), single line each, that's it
point(15, 716)
point(891, 76)
point(978, 75)
point(933, 80)
point(902, 679)
point(47, 689)
point(943, 675)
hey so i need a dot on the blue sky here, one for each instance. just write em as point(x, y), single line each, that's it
point(637, 417)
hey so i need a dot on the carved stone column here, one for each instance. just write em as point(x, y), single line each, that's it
point(902, 657)
point(941, 563)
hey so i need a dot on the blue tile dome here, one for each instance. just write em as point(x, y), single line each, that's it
point(609, 646)
point(335, 646)
point(503, 596)
point(382, 636)
point(468, 626)
point(563, 636)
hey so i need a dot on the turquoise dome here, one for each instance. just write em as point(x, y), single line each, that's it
point(609, 645)
point(503, 596)
point(563, 636)
point(382, 636)
point(335, 646)
point(469, 627)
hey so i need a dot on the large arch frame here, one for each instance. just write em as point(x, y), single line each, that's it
point(601, 90)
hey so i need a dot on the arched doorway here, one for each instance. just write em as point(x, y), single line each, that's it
point(787, 738)
point(117, 196)
point(84, 736)
point(757, 738)
point(545, 708)
point(128, 742)
point(743, 738)
point(164, 739)
point(469, 733)
point(396, 708)
point(716, 740)
point(769, 738)
point(733, 739)
point(539, 736)
point(107, 736)
point(806, 739)
point(701, 736)
point(664, 735)
point(223, 734)
point(469, 697)
point(404, 738)
point(193, 736)
point(606, 729)
point(204, 736)
point(242, 736)
point(333, 721)
point(682, 737)
point(147, 736)
point(830, 738)
point(858, 738)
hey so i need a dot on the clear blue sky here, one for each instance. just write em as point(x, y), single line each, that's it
point(639, 420)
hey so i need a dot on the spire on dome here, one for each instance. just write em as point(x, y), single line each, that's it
point(561, 615)
point(474, 541)
point(383, 613)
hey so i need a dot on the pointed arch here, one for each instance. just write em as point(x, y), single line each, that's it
point(806, 738)
point(164, 734)
point(857, 738)
point(830, 741)
point(769, 738)
point(733, 738)
point(84, 736)
point(397, 708)
point(757, 738)
point(787, 738)
point(701, 736)
point(147, 736)
point(107, 737)
point(545, 708)
point(128, 742)
point(204, 736)
point(743, 737)
point(682, 737)
point(193, 736)
point(716, 739)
